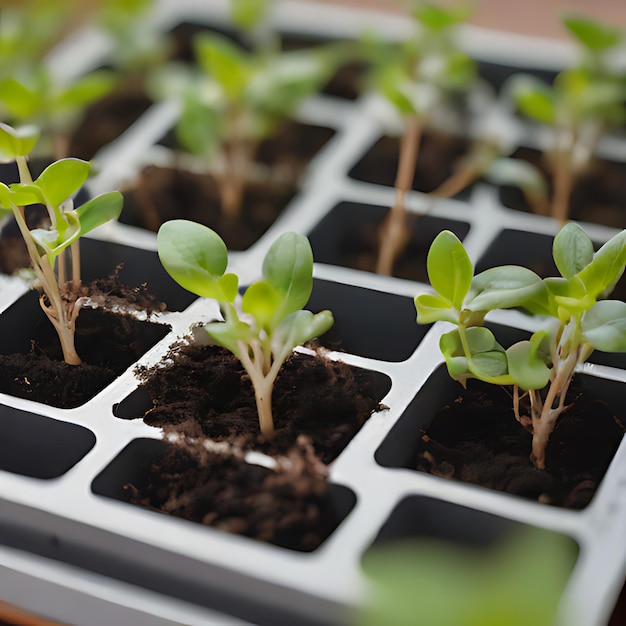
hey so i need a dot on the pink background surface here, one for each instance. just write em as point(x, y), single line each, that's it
point(536, 17)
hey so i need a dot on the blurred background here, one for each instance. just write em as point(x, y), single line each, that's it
point(536, 17)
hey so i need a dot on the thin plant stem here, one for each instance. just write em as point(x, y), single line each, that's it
point(563, 179)
point(392, 230)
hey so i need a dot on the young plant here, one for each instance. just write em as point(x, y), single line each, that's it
point(29, 91)
point(54, 251)
point(262, 327)
point(138, 44)
point(29, 29)
point(419, 78)
point(582, 103)
point(540, 370)
point(447, 584)
point(234, 100)
point(56, 109)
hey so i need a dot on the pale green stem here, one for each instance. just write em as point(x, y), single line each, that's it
point(545, 414)
point(262, 383)
point(563, 174)
point(76, 277)
point(55, 310)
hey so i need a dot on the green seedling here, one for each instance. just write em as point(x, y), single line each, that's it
point(440, 584)
point(39, 100)
point(54, 251)
point(29, 29)
point(235, 99)
point(29, 92)
point(419, 78)
point(262, 327)
point(137, 43)
point(578, 320)
point(583, 102)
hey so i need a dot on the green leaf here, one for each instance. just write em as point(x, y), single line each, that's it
point(53, 241)
point(62, 179)
point(503, 287)
point(20, 101)
point(195, 257)
point(26, 194)
point(535, 99)
point(528, 361)
point(517, 172)
point(99, 210)
point(572, 250)
point(6, 198)
point(282, 83)
point(229, 334)
point(297, 328)
point(486, 359)
point(604, 326)
point(433, 308)
point(449, 268)
point(247, 14)
point(489, 366)
point(441, 583)
point(261, 299)
point(225, 62)
point(436, 18)
point(606, 267)
point(16, 142)
point(198, 127)
point(87, 89)
point(592, 34)
point(288, 267)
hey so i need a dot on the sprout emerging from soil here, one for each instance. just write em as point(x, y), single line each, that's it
point(581, 104)
point(54, 250)
point(262, 327)
point(580, 321)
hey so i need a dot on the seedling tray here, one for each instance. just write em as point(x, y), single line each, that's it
point(71, 550)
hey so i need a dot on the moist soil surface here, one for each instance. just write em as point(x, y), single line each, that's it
point(202, 391)
point(598, 196)
point(160, 194)
point(106, 120)
point(108, 343)
point(362, 243)
point(476, 439)
point(288, 506)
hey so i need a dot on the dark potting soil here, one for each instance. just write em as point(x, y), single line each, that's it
point(108, 343)
point(476, 439)
point(436, 160)
point(288, 506)
point(106, 120)
point(361, 245)
point(598, 196)
point(204, 391)
point(161, 194)
point(13, 252)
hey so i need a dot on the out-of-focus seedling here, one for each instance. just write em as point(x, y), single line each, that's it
point(420, 77)
point(236, 98)
point(583, 102)
point(441, 584)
